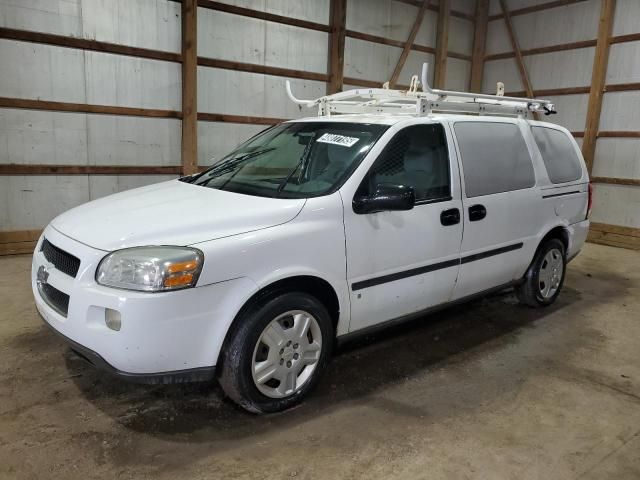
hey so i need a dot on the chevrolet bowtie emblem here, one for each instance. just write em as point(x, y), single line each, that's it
point(43, 275)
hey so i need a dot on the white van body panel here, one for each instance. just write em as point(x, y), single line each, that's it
point(251, 243)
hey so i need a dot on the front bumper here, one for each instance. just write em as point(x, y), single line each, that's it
point(164, 337)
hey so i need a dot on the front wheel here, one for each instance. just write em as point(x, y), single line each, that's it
point(276, 352)
point(545, 276)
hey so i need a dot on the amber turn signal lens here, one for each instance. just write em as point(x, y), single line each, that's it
point(182, 266)
point(178, 280)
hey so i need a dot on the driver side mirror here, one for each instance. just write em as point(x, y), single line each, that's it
point(386, 197)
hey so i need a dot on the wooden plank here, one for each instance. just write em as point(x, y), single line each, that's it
point(524, 76)
point(630, 37)
point(578, 134)
point(43, 169)
point(618, 134)
point(270, 17)
point(598, 77)
point(16, 236)
point(442, 44)
point(635, 182)
point(85, 44)
point(23, 103)
point(244, 119)
point(263, 69)
point(548, 49)
point(613, 239)
point(479, 45)
point(407, 46)
point(552, 92)
point(622, 87)
point(536, 8)
point(618, 229)
point(189, 87)
point(335, 60)
point(19, 248)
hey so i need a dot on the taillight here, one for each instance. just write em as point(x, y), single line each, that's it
point(590, 201)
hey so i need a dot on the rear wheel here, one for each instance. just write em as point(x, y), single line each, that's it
point(276, 352)
point(545, 276)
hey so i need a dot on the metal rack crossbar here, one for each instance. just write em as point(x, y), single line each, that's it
point(413, 102)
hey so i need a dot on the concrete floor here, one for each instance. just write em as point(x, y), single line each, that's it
point(485, 390)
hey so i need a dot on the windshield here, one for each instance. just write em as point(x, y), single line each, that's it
point(293, 160)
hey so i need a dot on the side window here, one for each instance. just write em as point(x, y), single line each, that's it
point(494, 158)
point(559, 156)
point(417, 157)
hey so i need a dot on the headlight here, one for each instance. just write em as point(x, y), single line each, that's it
point(151, 269)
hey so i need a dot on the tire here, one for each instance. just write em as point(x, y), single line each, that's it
point(543, 281)
point(270, 348)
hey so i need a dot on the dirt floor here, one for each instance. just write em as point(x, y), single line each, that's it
point(486, 390)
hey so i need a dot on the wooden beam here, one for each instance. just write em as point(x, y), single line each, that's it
point(270, 17)
point(598, 78)
point(263, 69)
point(23, 103)
point(622, 87)
point(614, 235)
point(18, 242)
point(633, 182)
point(337, 33)
point(442, 44)
point(548, 49)
point(43, 169)
point(524, 76)
point(537, 8)
point(547, 92)
point(84, 44)
point(630, 37)
point(617, 134)
point(407, 46)
point(479, 44)
point(244, 119)
point(189, 87)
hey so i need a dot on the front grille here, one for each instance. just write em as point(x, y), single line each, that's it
point(63, 261)
point(56, 299)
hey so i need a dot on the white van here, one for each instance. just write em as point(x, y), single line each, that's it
point(311, 230)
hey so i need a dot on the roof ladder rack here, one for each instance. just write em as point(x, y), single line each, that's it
point(412, 102)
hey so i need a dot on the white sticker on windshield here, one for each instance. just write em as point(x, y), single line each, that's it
point(336, 139)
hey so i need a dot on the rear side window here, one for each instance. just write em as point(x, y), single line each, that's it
point(417, 157)
point(494, 158)
point(558, 153)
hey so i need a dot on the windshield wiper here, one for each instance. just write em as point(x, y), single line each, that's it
point(301, 163)
point(229, 165)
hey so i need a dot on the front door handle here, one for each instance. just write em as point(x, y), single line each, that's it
point(450, 217)
point(477, 212)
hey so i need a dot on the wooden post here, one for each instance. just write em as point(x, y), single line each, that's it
point(524, 76)
point(479, 44)
point(407, 46)
point(442, 44)
point(598, 78)
point(337, 24)
point(189, 87)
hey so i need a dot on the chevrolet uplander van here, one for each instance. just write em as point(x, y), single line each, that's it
point(313, 229)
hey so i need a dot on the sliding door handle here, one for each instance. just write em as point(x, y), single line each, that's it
point(477, 212)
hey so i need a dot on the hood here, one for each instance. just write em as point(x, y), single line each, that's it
point(171, 213)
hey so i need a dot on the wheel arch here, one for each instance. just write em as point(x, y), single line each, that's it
point(560, 232)
point(311, 284)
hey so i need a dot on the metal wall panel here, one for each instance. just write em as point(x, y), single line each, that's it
point(215, 140)
point(460, 35)
point(242, 93)
point(370, 61)
point(458, 74)
point(413, 66)
point(497, 38)
point(33, 137)
point(572, 111)
point(626, 17)
point(571, 23)
point(61, 17)
point(103, 185)
point(242, 39)
point(624, 62)
point(620, 111)
point(504, 71)
point(617, 157)
point(312, 10)
point(571, 68)
point(616, 205)
point(494, 5)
